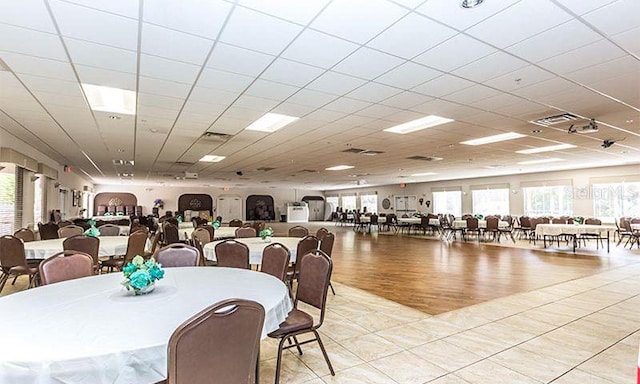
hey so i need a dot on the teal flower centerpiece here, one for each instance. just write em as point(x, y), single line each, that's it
point(215, 224)
point(266, 234)
point(140, 276)
point(92, 231)
point(578, 220)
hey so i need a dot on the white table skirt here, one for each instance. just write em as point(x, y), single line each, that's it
point(110, 218)
point(219, 233)
point(92, 331)
point(256, 246)
point(572, 229)
point(481, 224)
point(416, 221)
point(109, 246)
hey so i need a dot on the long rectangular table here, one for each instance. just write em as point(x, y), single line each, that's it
point(573, 231)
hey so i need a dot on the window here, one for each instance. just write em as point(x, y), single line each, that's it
point(39, 196)
point(448, 202)
point(548, 201)
point(614, 200)
point(7, 199)
point(490, 201)
point(370, 202)
point(333, 201)
point(349, 203)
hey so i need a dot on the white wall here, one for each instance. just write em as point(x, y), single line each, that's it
point(170, 195)
point(582, 206)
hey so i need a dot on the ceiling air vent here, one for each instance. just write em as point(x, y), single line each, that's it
point(215, 136)
point(265, 169)
point(123, 162)
point(184, 164)
point(308, 171)
point(425, 158)
point(353, 150)
point(366, 152)
point(555, 119)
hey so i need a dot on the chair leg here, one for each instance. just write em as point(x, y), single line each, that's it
point(324, 352)
point(14, 280)
point(332, 290)
point(3, 280)
point(279, 360)
point(295, 339)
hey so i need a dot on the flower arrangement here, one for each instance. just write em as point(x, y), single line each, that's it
point(93, 231)
point(266, 233)
point(140, 275)
point(158, 203)
point(215, 224)
point(578, 219)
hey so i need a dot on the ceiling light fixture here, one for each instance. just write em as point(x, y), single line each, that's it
point(549, 148)
point(424, 174)
point(339, 168)
point(271, 122)
point(471, 3)
point(108, 99)
point(212, 158)
point(419, 124)
point(494, 138)
point(541, 161)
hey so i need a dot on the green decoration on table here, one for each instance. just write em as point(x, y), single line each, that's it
point(215, 224)
point(92, 231)
point(578, 219)
point(266, 233)
point(140, 275)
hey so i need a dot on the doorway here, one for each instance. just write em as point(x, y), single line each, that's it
point(316, 207)
point(229, 207)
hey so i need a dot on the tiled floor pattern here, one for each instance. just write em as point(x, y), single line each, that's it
point(581, 331)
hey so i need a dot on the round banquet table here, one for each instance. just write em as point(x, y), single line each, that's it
point(92, 331)
point(219, 233)
point(41, 249)
point(256, 246)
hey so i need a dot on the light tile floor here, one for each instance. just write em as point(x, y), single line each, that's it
point(581, 331)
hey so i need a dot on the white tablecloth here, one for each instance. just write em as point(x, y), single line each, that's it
point(416, 221)
point(572, 229)
point(256, 246)
point(92, 331)
point(110, 218)
point(481, 224)
point(109, 246)
point(220, 233)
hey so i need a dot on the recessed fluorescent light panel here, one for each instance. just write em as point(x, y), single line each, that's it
point(424, 174)
point(493, 139)
point(271, 122)
point(550, 148)
point(107, 99)
point(212, 158)
point(541, 161)
point(339, 168)
point(416, 125)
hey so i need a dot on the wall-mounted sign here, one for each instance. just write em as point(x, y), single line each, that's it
point(403, 185)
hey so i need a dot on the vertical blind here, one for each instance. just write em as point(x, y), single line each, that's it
point(7, 199)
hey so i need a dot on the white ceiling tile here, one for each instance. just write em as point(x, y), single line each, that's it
point(581, 7)
point(49, 99)
point(325, 115)
point(378, 111)
point(271, 90)
point(160, 101)
point(253, 30)
point(105, 77)
point(311, 98)
point(616, 17)
point(163, 87)
point(336, 83)
point(101, 56)
point(318, 49)
point(367, 63)
point(563, 38)
point(347, 105)
point(411, 36)
point(406, 100)
point(514, 23)
point(290, 72)
point(39, 67)
point(95, 26)
point(27, 14)
point(213, 96)
point(357, 20)
point(293, 109)
point(454, 53)
point(583, 57)
point(472, 94)
point(373, 92)
point(451, 13)
point(202, 18)
point(30, 42)
point(520, 78)
point(174, 45)
point(442, 86)
point(607, 70)
point(543, 88)
point(408, 75)
point(226, 81)
point(46, 84)
point(629, 40)
point(238, 60)
point(255, 103)
point(489, 67)
point(160, 68)
point(293, 10)
point(126, 8)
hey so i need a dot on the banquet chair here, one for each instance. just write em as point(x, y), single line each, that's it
point(64, 223)
point(199, 237)
point(13, 262)
point(170, 232)
point(109, 230)
point(275, 260)
point(65, 265)
point(25, 234)
point(177, 255)
point(592, 236)
point(326, 246)
point(48, 231)
point(135, 227)
point(492, 227)
point(298, 231)
point(84, 244)
point(69, 231)
point(322, 232)
point(233, 254)
point(258, 226)
point(235, 223)
point(222, 343)
point(472, 227)
point(135, 246)
point(315, 274)
point(245, 232)
point(209, 229)
point(305, 245)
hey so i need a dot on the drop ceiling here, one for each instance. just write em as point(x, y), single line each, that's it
point(347, 68)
